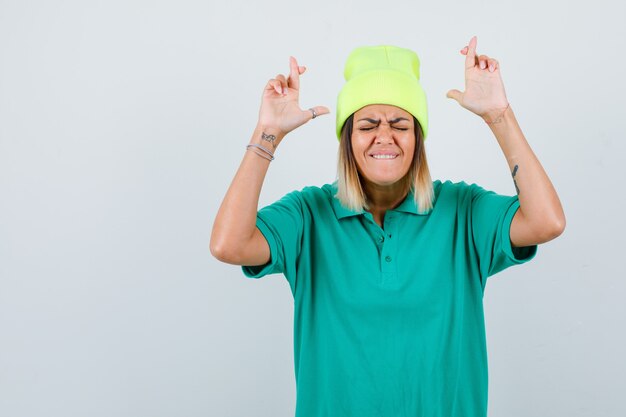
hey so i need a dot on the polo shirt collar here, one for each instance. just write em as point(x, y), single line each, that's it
point(407, 206)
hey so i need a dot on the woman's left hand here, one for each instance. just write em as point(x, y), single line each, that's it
point(484, 91)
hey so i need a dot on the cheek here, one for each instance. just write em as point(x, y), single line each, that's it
point(410, 154)
point(409, 147)
point(360, 162)
point(358, 148)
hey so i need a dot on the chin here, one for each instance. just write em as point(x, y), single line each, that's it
point(383, 177)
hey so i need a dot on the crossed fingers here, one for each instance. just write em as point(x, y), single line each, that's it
point(483, 61)
point(281, 84)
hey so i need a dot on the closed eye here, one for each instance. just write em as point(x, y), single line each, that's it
point(370, 128)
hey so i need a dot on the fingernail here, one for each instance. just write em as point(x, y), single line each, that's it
point(285, 90)
point(490, 68)
point(482, 65)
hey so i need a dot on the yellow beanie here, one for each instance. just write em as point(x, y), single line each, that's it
point(382, 75)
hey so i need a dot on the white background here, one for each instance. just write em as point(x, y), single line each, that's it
point(122, 124)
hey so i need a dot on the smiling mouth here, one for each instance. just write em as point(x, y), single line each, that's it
point(384, 156)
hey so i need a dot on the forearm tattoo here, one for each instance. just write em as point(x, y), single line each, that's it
point(514, 173)
point(269, 138)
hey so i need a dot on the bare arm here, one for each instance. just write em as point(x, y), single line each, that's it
point(235, 239)
point(540, 217)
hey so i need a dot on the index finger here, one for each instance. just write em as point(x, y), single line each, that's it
point(470, 58)
point(294, 74)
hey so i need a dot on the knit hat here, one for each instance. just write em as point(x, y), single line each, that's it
point(382, 74)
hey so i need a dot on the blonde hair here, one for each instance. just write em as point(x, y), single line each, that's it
point(350, 190)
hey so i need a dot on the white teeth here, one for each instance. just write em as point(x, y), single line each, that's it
point(384, 156)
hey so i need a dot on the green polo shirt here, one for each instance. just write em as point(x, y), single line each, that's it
point(389, 322)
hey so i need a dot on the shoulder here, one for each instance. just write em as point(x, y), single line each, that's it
point(459, 196)
point(458, 188)
point(312, 196)
point(313, 192)
point(318, 197)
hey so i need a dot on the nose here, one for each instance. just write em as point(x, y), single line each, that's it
point(384, 134)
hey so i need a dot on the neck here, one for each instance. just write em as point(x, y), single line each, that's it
point(381, 198)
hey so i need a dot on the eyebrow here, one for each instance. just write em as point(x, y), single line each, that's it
point(397, 119)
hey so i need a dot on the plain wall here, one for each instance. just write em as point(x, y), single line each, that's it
point(122, 124)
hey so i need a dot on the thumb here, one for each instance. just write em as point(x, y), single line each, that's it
point(455, 94)
point(319, 110)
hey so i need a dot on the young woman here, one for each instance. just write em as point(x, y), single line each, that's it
point(387, 267)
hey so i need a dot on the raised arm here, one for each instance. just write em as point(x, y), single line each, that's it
point(235, 239)
point(540, 217)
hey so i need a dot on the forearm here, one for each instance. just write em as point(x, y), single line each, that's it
point(539, 202)
point(235, 221)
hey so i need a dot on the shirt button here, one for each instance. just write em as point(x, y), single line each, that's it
point(381, 239)
point(388, 258)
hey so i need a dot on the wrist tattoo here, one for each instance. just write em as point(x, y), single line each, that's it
point(499, 118)
point(269, 138)
point(514, 173)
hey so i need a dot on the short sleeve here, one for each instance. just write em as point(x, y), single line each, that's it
point(281, 223)
point(491, 217)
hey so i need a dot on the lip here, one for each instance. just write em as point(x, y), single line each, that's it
point(383, 152)
point(394, 154)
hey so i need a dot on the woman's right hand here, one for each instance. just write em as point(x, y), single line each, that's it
point(280, 109)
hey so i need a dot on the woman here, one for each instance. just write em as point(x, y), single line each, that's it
point(387, 267)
